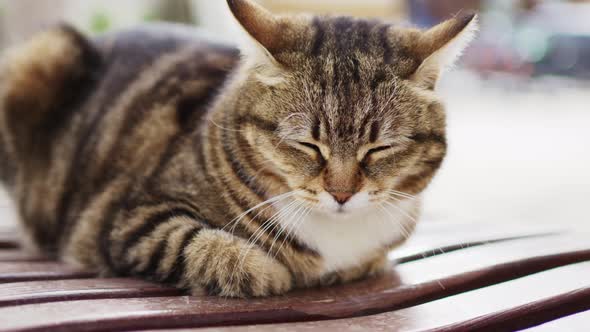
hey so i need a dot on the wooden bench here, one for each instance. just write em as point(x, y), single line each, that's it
point(448, 278)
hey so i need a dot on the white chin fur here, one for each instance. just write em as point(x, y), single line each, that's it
point(348, 237)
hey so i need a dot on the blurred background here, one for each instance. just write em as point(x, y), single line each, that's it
point(519, 114)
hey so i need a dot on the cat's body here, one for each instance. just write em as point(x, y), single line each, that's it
point(152, 153)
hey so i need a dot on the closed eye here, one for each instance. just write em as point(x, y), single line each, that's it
point(379, 149)
point(311, 146)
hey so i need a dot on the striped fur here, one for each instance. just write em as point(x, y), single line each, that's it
point(157, 153)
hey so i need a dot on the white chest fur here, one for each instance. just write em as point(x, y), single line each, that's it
point(348, 240)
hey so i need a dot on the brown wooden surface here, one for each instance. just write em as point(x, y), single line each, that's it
point(32, 271)
point(18, 255)
point(19, 293)
point(578, 322)
point(502, 281)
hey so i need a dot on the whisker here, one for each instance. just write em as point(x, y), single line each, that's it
point(262, 228)
point(265, 226)
point(407, 216)
point(258, 233)
point(293, 230)
point(294, 215)
point(274, 218)
point(405, 232)
point(400, 193)
point(268, 201)
point(402, 211)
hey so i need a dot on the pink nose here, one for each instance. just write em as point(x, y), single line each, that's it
point(341, 197)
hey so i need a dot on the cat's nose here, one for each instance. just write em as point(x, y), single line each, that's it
point(341, 197)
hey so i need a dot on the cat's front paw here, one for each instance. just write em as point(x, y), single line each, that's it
point(228, 266)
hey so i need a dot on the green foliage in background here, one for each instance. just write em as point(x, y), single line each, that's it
point(100, 22)
point(151, 17)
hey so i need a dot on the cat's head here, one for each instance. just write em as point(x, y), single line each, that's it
point(344, 110)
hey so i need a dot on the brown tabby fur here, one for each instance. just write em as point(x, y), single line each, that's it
point(132, 153)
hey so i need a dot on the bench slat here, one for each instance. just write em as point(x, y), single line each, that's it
point(32, 271)
point(18, 255)
point(79, 289)
point(578, 322)
point(527, 315)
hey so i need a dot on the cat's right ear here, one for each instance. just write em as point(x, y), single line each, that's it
point(264, 29)
point(258, 22)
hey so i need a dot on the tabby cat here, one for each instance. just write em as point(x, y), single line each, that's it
point(163, 154)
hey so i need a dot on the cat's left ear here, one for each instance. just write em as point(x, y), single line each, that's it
point(441, 46)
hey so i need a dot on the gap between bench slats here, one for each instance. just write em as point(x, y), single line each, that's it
point(447, 248)
point(430, 238)
point(8, 240)
point(368, 297)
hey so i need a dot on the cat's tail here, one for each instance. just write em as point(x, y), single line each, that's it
point(40, 83)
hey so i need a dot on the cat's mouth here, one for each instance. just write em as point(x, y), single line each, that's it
point(326, 203)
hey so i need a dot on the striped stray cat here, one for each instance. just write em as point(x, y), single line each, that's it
point(161, 154)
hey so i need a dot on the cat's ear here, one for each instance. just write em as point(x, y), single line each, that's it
point(440, 47)
point(258, 22)
point(264, 28)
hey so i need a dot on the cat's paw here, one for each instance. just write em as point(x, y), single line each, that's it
point(228, 266)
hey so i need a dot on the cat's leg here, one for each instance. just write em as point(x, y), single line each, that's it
point(172, 246)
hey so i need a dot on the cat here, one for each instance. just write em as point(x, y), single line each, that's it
point(162, 154)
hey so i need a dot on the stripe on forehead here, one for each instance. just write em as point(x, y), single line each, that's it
point(347, 116)
point(319, 38)
point(315, 131)
point(375, 129)
point(350, 55)
point(343, 34)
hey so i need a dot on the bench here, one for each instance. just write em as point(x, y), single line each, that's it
point(449, 277)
